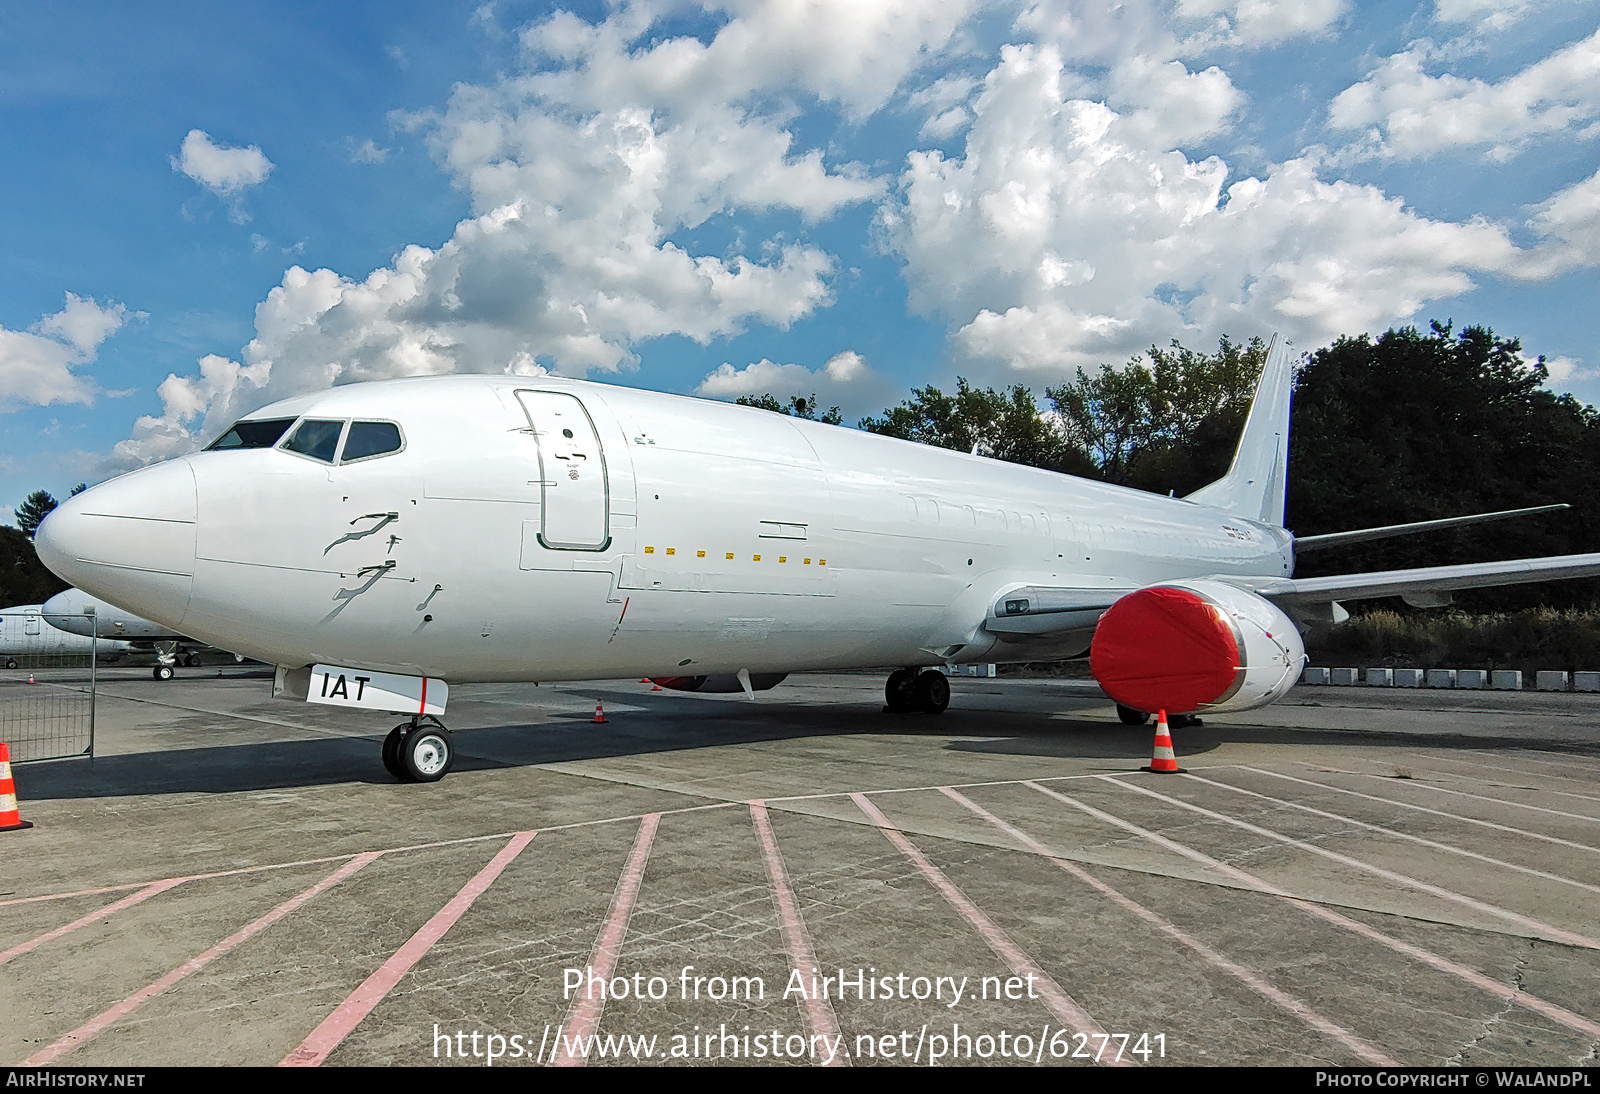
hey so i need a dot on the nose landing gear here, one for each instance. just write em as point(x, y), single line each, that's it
point(419, 751)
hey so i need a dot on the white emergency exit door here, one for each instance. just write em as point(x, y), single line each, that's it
point(575, 514)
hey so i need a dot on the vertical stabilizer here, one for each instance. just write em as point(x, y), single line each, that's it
point(1254, 486)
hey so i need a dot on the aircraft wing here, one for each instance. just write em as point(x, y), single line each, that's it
point(1426, 579)
point(1038, 611)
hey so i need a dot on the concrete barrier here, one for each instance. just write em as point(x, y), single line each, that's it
point(1499, 679)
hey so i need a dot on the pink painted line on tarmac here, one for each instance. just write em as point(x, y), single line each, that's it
point(1062, 1005)
point(1547, 930)
point(818, 1012)
point(1363, 1048)
point(195, 964)
point(83, 921)
point(359, 1003)
point(1505, 994)
point(584, 1016)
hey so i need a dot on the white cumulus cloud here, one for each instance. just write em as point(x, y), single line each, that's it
point(36, 365)
point(1062, 238)
point(583, 173)
point(1410, 113)
point(1164, 105)
point(1486, 15)
point(1262, 22)
point(845, 379)
point(223, 170)
point(1569, 222)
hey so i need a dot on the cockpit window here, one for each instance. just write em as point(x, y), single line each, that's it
point(370, 439)
point(316, 438)
point(262, 434)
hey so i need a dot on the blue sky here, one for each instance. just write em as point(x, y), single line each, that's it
point(209, 209)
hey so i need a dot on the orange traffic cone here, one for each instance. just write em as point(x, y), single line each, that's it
point(10, 818)
point(599, 714)
point(1165, 761)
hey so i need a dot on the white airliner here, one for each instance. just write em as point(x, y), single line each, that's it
point(76, 612)
point(380, 541)
point(26, 632)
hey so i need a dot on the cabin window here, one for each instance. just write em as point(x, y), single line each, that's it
point(262, 434)
point(368, 439)
point(315, 437)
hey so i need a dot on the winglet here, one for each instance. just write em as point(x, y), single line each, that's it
point(1254, 486)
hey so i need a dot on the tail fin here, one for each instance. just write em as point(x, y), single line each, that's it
point(1254, 486)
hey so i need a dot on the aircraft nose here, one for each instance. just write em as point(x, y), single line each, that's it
point(129, 541)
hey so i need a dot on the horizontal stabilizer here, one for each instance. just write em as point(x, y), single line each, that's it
point(1360, 535)
point(1427, 579)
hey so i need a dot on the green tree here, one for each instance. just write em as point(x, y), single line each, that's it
point(1169, 424)
point(1413, 426)
point(796, 407)
point(33, 510)
point(1005, 425)
point(1110, 415)
point(23, 578)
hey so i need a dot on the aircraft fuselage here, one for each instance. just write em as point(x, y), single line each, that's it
point(545, 529)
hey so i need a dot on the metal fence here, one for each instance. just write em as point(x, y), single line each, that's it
point(47, 700)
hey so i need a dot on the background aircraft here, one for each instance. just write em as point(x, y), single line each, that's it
point(379, 541)
point(25, 633)
point(77, 612)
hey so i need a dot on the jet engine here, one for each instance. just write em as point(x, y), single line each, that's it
point(759, 681)
point(1192, 646)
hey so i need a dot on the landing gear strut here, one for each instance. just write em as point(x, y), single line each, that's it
point(419, 751)
point(908, 691)
point(167, 661)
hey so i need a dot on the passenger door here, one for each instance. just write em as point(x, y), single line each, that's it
point(575, 514)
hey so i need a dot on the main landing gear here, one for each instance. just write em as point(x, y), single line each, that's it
point(1131, 717)
point(419, 751)
point(909, 691)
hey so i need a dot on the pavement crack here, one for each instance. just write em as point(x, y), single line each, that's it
point(1494, 1020)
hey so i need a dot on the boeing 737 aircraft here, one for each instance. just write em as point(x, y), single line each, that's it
point(380, 541)
point(26, 632)
point(76, 612)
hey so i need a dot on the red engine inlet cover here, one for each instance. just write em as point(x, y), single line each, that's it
point(1164, 649)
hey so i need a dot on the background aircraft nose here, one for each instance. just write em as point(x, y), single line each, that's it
point(129, 541)
point(64, 611)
